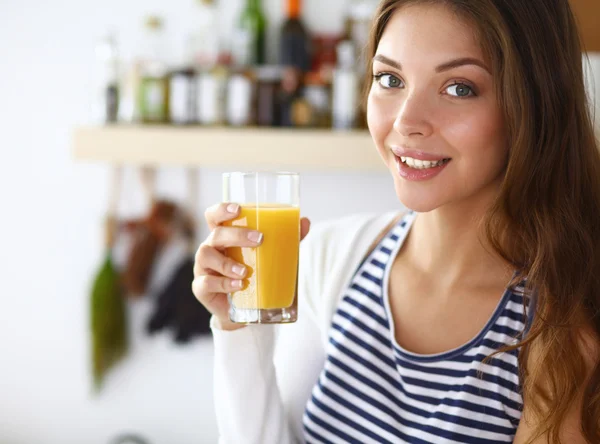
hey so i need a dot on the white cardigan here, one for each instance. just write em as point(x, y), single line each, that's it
point(264, 375)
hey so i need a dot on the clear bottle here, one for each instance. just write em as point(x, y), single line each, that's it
point(153, 94)
point(241, 87)
point(345, 87)
point(106, 88)
point(182, 90)
point(211, 92)
point(128, 103)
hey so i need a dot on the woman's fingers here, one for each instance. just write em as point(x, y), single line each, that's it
point(206, 284)
point(304, 227)
point(216, 303)
point(209, 259)
point(227, 237)
point(219, 213)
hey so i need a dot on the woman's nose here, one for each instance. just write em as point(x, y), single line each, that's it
point(413, 117)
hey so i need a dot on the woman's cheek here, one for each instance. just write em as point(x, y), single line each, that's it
point(379, 119)
point(458, 132)
point(474, 133)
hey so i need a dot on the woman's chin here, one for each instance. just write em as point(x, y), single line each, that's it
point(419, 207)
point(417, 203)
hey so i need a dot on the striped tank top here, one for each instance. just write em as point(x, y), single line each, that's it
point(371, 390)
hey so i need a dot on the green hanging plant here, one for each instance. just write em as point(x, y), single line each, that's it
point(108, 317)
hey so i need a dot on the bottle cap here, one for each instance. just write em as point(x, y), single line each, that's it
point(269, 73)
point(154, 22)
point(294, 8)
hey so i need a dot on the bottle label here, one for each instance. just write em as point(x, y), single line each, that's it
point(211, 99)
point(154, 100)
point(345, 99)
point(179, 100)
point(239, 101)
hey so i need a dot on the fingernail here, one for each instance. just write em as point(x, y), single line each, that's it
point(233, 208)
point(236, 284)
point(239, 270)
point(255, 237)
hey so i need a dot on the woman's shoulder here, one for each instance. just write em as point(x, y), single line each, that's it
point(357, 224)
point(333, 248)
point(329, 256)
point(352, 233)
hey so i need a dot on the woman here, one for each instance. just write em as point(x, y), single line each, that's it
point(474, 317)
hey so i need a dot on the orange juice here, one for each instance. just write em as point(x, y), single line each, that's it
point(271, 280)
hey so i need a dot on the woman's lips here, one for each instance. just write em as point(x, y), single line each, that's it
point(418, 175)
point(416, 154)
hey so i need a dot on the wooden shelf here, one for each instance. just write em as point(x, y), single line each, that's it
point(228, 147)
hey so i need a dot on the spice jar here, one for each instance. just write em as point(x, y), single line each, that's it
point(268, 109)
point(317, 92)
point(182, 97)
point(240, 94)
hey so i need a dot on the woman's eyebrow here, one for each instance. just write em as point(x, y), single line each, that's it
point(461, 62)
point(441, 68)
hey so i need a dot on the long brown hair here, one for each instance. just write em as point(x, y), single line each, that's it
point(545, 220)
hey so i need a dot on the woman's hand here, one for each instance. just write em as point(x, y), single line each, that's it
point(215, 274)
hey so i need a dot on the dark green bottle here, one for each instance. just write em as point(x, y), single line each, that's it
point(252, 27)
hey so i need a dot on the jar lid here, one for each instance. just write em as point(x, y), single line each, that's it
point(154, 22)
point(269, 73)
point(314, 78)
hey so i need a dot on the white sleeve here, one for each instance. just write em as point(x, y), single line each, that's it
point(247, 401)
point(264, 374)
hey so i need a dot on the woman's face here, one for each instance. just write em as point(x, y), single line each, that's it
point(433, 112)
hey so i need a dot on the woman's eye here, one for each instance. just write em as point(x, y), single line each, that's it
point(460, 90)
point(388, 81)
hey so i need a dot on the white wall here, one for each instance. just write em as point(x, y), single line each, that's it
point(591, 63)
point(51, 234)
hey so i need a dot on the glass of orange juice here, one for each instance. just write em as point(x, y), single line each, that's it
point(270, 203)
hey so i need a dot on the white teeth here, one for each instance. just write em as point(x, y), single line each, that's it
point(420, 164)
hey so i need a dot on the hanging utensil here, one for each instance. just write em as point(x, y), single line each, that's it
point(147, 236)
point(176, 306)
point(108, 320)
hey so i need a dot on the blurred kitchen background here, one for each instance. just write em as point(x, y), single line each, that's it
point(127, 112)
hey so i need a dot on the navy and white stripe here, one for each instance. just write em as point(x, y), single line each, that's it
point(373, 391)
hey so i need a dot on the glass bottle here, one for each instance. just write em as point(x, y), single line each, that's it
point(153, 95)
point(345, 93)
point(241, 87)
point(106, 88)
point(182, 90)
point(295, 40)
point(249, 35)
point(211, 92)
point(318, 94)
point(268, 90)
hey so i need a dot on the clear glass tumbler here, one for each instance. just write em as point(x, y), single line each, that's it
point(270, 203)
